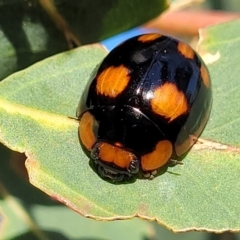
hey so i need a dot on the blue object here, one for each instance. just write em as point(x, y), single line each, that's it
point(112, 42)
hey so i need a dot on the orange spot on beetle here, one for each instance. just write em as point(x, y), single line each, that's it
point(112, 81)
point(205, 76)
point(158, 157)
point(186, 50)
point(169, 102)
point(112, 154)
point(118, 144)
point(86, 130)
point(149, 37)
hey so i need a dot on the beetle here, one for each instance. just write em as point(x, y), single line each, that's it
point(147, 104)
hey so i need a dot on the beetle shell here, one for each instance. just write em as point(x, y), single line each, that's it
point(147, 103)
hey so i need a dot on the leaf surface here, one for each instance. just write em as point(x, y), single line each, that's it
point(202, 194)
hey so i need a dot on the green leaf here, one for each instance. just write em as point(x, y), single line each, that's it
point(220, 47)
point(28, 34)
point(96, 20)
point(27, 213)
point(202, 194)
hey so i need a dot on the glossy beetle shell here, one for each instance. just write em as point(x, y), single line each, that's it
point(148, 103)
